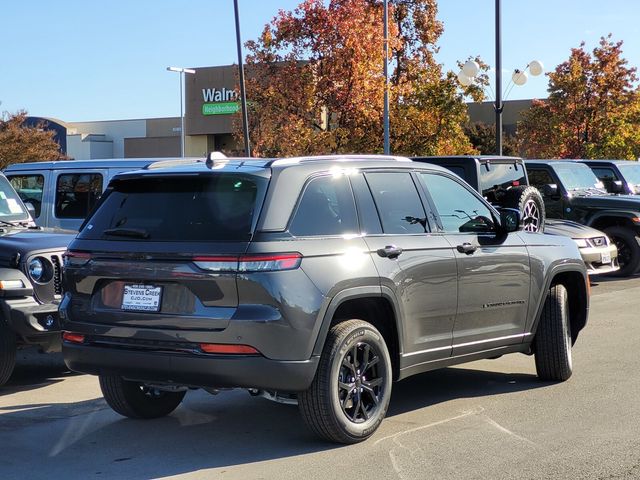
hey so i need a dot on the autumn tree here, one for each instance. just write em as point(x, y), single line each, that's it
point(315, 82)
point(483, 138)
point(22, 143)
point(593, 109)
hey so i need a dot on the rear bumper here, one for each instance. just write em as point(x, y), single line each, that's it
point(194, 370)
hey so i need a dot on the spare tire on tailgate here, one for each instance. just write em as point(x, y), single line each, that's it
point(528, 200)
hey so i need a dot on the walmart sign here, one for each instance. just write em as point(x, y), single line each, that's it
point(219, 101)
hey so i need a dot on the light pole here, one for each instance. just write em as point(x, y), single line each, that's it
point(467, 76)
point(181, 71)
point(243, 93)
point(385, 113)
point(470, 69)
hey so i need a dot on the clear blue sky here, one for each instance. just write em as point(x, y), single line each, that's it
point(86, 60)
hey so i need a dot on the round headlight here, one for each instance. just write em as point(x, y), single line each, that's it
point(36, 269)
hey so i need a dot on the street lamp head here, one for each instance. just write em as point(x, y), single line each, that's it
point(464, 80)
point(181, 70)
point(536, 67)
point(470, 68)
point(519, 77)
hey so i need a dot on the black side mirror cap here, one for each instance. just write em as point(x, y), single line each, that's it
point(509, 220)
point(550, 190)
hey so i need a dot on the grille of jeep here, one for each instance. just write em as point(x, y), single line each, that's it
point(57, 275)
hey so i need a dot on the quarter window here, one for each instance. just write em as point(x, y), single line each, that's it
point(398, 202)
point(29, 188)
point(459, 209)
point(77, 193)
point(325, 209)
point(539, 178)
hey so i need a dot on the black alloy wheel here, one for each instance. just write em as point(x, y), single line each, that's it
point(360, 382)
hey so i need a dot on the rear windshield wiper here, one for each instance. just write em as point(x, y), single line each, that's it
point(127, 232)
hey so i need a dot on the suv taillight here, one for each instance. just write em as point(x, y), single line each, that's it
point(71, 258)
point(249, 263)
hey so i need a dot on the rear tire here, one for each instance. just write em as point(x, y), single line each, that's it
point(529, 202)
point(553, 337)
point(350, 393)
point(8, 348)
point(134, 400)
point(628, 250)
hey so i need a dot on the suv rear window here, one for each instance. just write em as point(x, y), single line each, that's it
point(211, 208)
point(496, 177)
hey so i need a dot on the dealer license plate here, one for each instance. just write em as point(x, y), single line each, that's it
point(605, 258)
point(141, 298)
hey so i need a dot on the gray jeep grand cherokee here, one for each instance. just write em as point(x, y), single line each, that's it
point(316, 281)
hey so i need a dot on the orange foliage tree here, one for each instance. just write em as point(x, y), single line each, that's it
point(315, 82)
point(593, 109)
point(21, 143)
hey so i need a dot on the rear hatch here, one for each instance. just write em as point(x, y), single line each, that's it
point(162, 250)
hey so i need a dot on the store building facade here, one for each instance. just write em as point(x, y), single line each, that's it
point(211, 100)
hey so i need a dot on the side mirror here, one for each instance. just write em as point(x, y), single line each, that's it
point(616, 187)
point(550, 190)
point(509, 220)
point(31, 209)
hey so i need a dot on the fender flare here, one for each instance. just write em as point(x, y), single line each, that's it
point(627, 215)
point(352, 294)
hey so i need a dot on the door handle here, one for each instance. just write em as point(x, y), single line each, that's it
point(390, 251)
point(467, 248)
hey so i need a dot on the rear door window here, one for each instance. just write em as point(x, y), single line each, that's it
point(398, 202)
point(30, 188)
point(209, 208)
point(326, 208)
point(76, 194)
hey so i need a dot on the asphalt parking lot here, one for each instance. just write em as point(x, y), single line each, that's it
point(488, 419)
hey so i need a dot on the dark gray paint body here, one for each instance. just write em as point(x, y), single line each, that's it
point(449, 307)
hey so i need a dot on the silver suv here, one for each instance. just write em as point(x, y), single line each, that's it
point(318, 281)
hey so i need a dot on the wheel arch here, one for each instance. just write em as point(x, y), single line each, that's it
point(375, 305)
point(602, 220)
point(578, 290)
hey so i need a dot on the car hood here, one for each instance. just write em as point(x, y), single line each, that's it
point(571, 229)
point(619, 202)
point(26, 241)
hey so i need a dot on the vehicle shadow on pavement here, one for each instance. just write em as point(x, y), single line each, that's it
point(35, 370)
point(87, 438)
point(439, 386)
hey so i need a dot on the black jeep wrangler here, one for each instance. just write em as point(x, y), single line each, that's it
point(30, 281)
point(572, 191)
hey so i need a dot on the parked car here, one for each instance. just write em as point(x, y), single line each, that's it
point(316, 281)
point(572, 191)
point(30, 281)
point(617, 176)
point(63, 193)
point(503, 182)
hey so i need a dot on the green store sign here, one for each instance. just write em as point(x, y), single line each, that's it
point(220, 108)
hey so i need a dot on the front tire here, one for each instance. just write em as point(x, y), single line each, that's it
point(628, 250)
point(349, 396)
point(553, 338)
point(7, 352)
point(134, 400)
